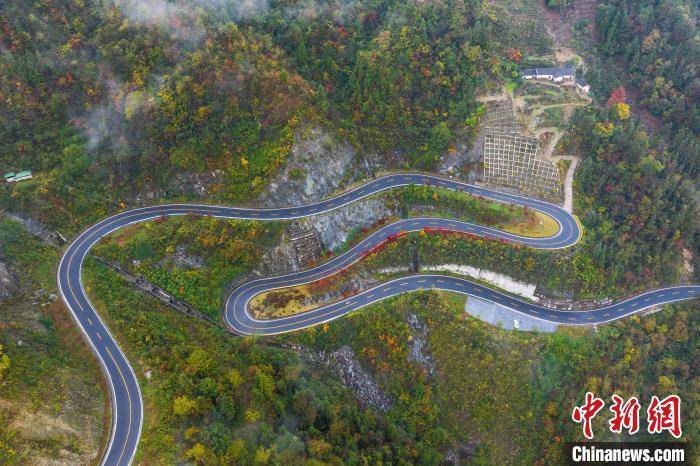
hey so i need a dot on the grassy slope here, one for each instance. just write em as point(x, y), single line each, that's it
point(53, 398)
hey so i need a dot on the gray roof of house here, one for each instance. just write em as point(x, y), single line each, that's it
point(557, 71)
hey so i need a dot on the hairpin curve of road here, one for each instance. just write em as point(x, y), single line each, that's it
point(127, 402)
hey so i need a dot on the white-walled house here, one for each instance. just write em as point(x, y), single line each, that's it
point(583, 86)
point(557, 74)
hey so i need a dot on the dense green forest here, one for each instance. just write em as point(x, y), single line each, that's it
point(654, 47)
point(637, 184)
point(638, 207)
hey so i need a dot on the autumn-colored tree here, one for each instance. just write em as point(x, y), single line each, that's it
point(604, 129)
point(622, 110)
point(515, 55)
point(197, 453)
point(234, 377)
point(4, 363)
point(183, 406)
point(617, 96)
point(199, 361)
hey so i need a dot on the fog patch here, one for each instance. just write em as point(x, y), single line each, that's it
point(184, 20)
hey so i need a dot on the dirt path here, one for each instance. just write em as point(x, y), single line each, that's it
point(503, 95)
point(557, 134)
point(569, 180)
point(547, 151)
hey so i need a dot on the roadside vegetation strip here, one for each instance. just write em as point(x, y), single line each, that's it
point(540, 226)
point(288, 301)
point(449, 203)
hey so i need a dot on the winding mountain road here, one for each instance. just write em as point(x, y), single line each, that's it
point(127, 402)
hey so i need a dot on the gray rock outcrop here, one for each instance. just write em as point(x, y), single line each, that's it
point(316, 166)
point(334, 227)
point(419, 345)
point(8, 282)
point(344, 362)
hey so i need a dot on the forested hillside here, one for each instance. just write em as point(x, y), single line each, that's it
point(654, 46)
point(98, 94)
point(637, 184)
point(116, 104)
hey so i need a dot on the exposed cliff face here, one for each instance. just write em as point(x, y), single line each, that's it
point(180, 184)
point(334, 227)
point(35, 228)
point(420, 348)
point(8, 282)
point(317, 165)
point(344, 363)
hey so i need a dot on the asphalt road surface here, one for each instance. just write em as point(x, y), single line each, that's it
point(127, 403)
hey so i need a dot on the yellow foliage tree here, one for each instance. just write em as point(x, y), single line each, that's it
point(4, 363)
point(604, 129)
point(197, 453)
point(234, 378)
point(183, 405)
point(622, 110)
point(262, 455)
point(252, 415)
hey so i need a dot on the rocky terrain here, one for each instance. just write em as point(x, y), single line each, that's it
point(354, 285)
point(36, 228)
point(344, 363)
point(53, 407)
point(464, 161)
point(183, 259)
point(301, 181)
point(334, 226)
point(420, 350)
point(279, 260)
point(181, 184)
point(316, 166)
point(8, 282)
